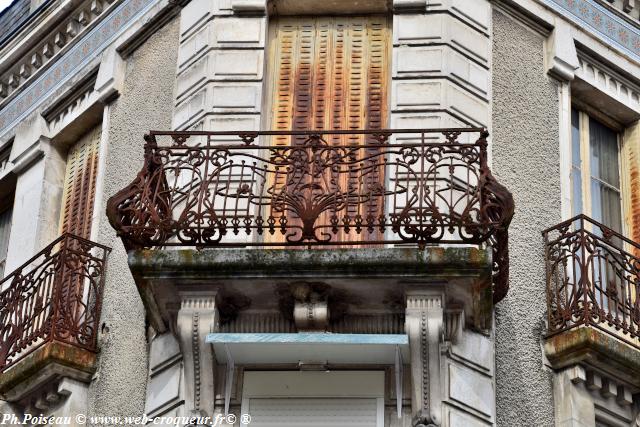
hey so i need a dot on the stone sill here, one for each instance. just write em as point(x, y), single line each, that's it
point(596, 348)
point(370, 276)
point(51, 360)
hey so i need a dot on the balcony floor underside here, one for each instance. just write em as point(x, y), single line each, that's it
point(367, 279)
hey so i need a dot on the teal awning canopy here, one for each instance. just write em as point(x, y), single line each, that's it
point(308, 347)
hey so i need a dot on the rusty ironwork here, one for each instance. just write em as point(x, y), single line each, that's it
point(55, 296)
point(593, 279)
point(341, 187)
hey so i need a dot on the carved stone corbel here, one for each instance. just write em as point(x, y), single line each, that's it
point(453, 323)
point(561, 57)
point(424, 326)
point(197, 317)
point(307, 304)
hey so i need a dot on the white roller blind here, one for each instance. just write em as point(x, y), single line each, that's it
point(310, 412)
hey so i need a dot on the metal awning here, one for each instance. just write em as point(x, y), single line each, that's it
point(310, 347)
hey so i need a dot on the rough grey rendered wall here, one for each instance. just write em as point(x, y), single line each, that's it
point(526, 160)
point(146, 103)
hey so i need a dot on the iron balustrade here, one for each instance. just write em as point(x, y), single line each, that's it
point(593, 279)
point(55, 296)
point(307, 188)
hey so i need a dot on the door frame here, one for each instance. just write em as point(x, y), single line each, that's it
point(315, 384)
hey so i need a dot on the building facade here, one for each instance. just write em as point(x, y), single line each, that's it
point(314, 213)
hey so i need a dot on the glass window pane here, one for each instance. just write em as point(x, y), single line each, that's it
point(604, 153)
point(611, 211)
point(575, 138)
point(576, 191)
point(605, 175)
point(5, 230)
point(576, 172)
point(606, 205)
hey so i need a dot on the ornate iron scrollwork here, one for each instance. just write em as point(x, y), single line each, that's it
point(303, 188)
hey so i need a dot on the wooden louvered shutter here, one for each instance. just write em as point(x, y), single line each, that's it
point(80, 185)
point(331, 73)
point(631, 181)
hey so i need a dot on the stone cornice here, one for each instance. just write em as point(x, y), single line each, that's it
point(33, 24)
point(88, 46)
point(39, 50)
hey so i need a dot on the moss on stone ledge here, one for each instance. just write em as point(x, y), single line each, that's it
point(362, 262)
point(33, 368)
point(596, 348)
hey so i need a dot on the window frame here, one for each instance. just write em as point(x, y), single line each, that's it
point(6, 205)
point(584, 119)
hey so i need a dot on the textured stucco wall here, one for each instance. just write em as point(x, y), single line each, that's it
point(145, 103)
point(526, 160)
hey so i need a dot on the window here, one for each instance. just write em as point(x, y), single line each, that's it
point(80, 185)
point(595, 171)
point(331, 73)
point(595, 184)
point(5, 231)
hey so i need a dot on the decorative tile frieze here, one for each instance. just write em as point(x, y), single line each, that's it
point(91, 45)
point(599, 20)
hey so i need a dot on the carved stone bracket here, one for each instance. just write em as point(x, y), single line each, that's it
point(424, 325)
point(311, 304)
point(561, 57)
point(198, 316)
point(453, 323)
point(60, 397)
point(580, 393)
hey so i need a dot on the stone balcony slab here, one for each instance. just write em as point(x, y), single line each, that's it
point(370, 279)
point(594, 348)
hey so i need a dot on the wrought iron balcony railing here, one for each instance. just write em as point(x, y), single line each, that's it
point(305, 188)
point(593, 279)
point(55, 296)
